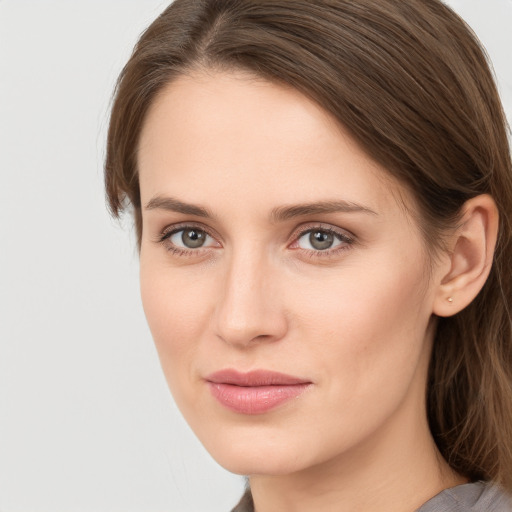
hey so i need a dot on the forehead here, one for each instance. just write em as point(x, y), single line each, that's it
point(259, 143)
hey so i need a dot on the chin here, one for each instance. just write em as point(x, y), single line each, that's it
point(256, 454)
point(270, 464)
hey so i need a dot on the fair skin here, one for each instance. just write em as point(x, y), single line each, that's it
point(226, 157)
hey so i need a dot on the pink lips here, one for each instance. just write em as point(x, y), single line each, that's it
point(255, 392)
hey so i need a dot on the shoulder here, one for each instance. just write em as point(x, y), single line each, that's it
point(245, 504)
point(473, 497)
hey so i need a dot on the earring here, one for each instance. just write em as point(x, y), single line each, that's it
point(450, 299)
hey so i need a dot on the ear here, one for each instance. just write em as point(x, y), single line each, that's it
point(470, 257)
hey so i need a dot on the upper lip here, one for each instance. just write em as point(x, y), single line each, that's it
point(254, 378)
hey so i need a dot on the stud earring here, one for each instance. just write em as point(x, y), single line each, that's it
point(450, 299)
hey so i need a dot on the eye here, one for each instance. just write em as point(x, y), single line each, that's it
point(187, 238)
point(321, 239)
point(318, 240)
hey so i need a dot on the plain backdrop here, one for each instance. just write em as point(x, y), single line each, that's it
point(86, 420)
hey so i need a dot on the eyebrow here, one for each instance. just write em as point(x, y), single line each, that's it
point(279, 214)
point(284, 213)
point(174, 205)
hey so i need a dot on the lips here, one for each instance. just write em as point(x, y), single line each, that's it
point(254, 392)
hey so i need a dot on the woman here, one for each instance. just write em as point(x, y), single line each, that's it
point(322, 192)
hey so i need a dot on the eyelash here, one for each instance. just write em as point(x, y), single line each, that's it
point(345, 239)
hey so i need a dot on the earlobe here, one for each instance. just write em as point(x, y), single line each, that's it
point(470, 257)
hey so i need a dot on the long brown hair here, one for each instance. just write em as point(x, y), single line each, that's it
point(410, 82)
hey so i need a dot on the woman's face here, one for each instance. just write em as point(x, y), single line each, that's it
point(286, 285)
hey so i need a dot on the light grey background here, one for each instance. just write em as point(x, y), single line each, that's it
point(86, 421)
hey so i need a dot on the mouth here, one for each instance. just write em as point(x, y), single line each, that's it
point(255, 392)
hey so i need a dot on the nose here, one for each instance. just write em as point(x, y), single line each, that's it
point(249, 309)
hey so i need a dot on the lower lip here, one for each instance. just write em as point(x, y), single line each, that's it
point(257, 399)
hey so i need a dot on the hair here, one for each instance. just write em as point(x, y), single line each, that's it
point(410, 82)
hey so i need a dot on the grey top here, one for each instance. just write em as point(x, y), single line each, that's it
point(474, 497)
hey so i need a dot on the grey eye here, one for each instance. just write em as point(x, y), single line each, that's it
point(189, 238)
point(319, 240)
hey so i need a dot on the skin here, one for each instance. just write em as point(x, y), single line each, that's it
point(355, 320)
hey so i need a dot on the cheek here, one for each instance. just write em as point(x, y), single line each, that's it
point(177, 307)
point(370, 329)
